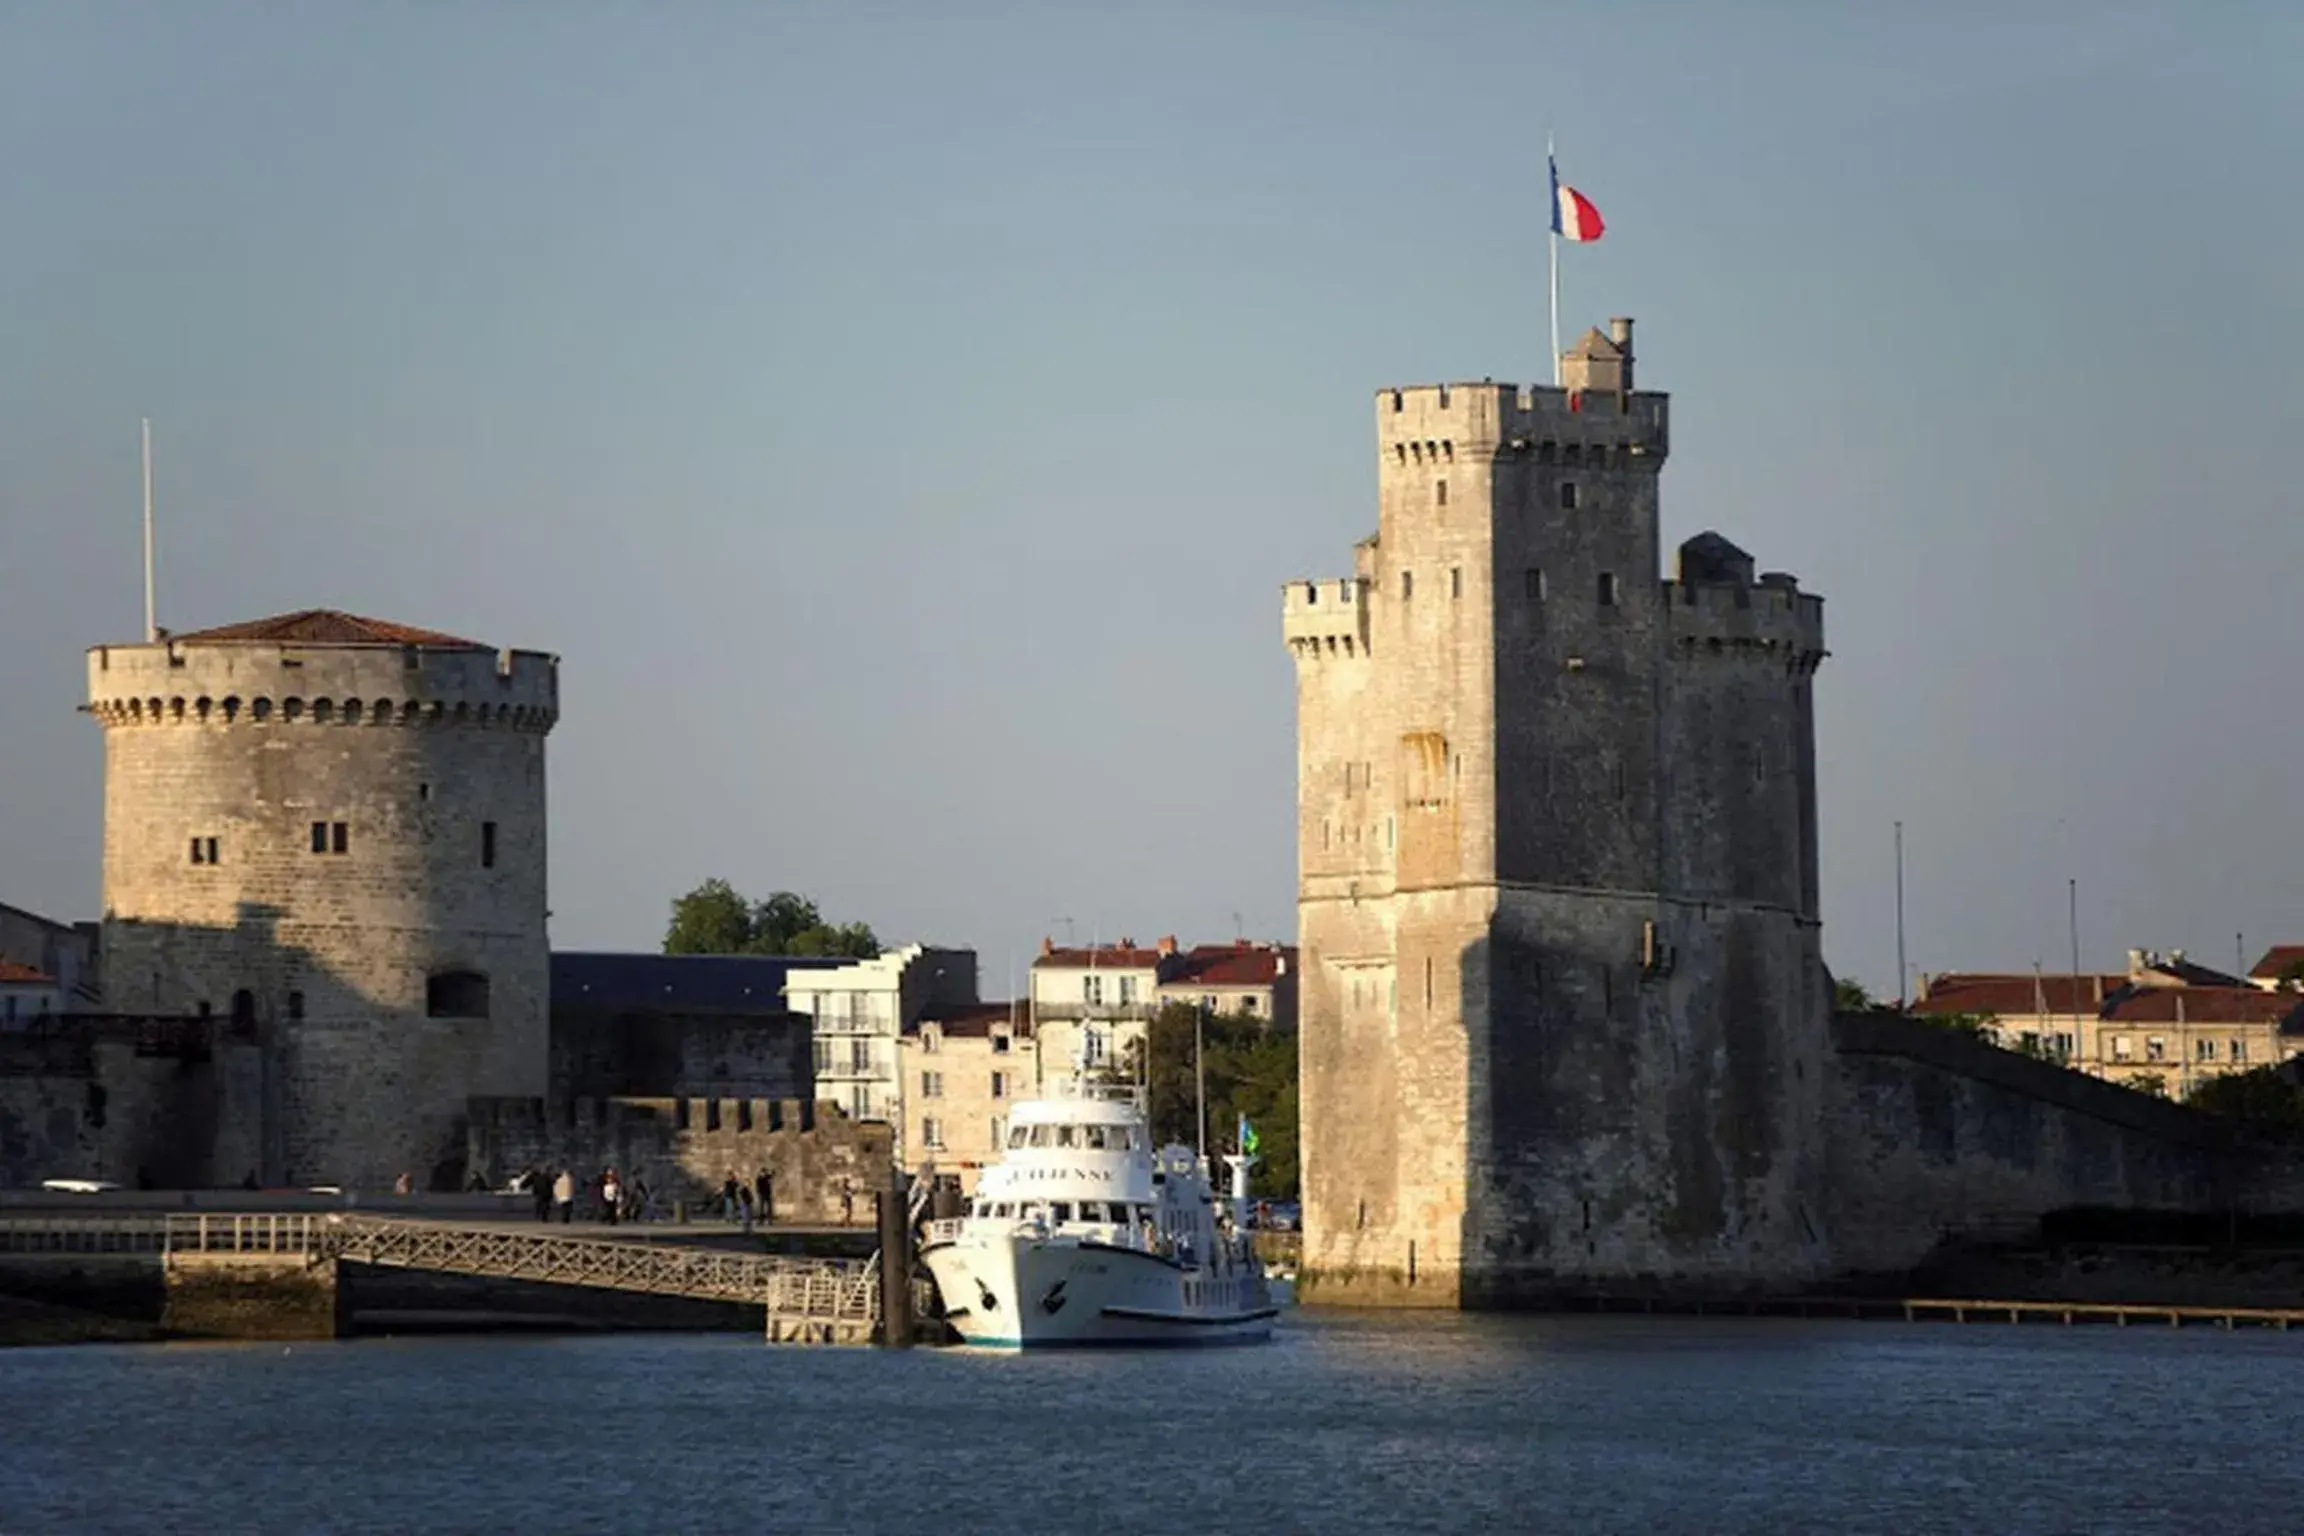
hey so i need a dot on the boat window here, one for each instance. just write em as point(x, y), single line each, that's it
point(1060, 1212)
point(1018, 1135)
point(1123, 1138)
point(1040, 1135)
point(1004, 1208)
point(1065, 1135)
point(1095, 1138)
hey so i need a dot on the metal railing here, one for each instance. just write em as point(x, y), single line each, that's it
point(268, 1232)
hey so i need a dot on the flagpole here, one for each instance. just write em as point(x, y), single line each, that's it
point(1551, 225)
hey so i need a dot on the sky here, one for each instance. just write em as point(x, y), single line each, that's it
point(901, 419)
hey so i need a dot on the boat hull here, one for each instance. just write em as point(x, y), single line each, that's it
point(1062, 1293)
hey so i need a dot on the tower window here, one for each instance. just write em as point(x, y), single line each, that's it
point(1607, 589)
point(1440, 492)
point(243, 1008)
point(319, 837)
point(1534, 578)
point(1455, 581)
point(204, 851)
point(340, 837)
point(487, 845)
point(1407, 584)
point(456, 995)
point(295, 1005)
point(1567, 495)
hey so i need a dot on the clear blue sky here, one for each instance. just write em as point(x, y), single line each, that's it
point(901, 419)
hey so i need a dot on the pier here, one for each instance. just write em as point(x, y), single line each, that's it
point(274, 1274)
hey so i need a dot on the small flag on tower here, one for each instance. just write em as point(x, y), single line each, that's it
point(1573, 216)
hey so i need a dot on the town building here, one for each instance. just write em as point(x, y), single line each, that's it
point(65, 951)
point(1564, 1015)
point(28, 994)
point(964, 1067)
point(327, 832)
point(2164, 1026)
point(860, 1009)
point(653, 1025)
point(1089, 1006)
point(1253, 980)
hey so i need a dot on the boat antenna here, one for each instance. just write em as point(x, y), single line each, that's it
point(1200, 1077)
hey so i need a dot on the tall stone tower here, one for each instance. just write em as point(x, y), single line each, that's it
point(1563, 1010)
point(329, 831)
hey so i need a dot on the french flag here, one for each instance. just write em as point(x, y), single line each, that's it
point(1573, 216)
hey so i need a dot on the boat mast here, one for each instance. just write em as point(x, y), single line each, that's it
point(1200, 1079)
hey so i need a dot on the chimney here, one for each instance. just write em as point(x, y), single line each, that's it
point(1280, 964)
point(1166, 946)
point(1047, 945)
point(1620, 332)
point(2136, 959)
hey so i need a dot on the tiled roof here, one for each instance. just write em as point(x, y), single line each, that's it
point(2201, 1005)
point(1234, 965)
point(2277, 959)
point(24, 975)
point(1987, 992)
point(1106, 957)
point(1593, 345)
point(2191, 972)
point(751, 983)
point(326, 626)
point(977, 1020)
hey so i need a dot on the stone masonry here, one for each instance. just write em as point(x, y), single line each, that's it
point(330, 831)
point(1564, 1016)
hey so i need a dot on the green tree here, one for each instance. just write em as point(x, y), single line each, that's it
point(1850, 997)
point(717, 919)
point(1251, 1070)
point(2265, 1099)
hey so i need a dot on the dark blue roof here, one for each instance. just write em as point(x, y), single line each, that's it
point(611, 980)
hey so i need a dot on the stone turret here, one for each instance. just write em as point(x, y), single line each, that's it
point(329, 831)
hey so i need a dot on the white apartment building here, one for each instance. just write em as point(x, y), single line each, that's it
point(858, 1013)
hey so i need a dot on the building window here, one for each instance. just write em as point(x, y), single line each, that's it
point(456, 995)
point(999, 1129)
point(1567, 495)
point(204, 851)
point(931, 1085)
point(823, 1056)
point(487, 845)
point(2239, 1050)
point(859, 1055)
point(930, 1039)
point(319, 837)
point(1092, 1045)
point(860, 1101)
point(2204, 1050)
point(999, 1091)
point(1092, 989)
point(999, 1045)
point(331, 835)
point(932, 1133)
point(295, 1005)
point(2155, 1048)
point(2063, 1044)
point(1127, 990)
point(1607, 589)
point(1407, 585)
point(1440, 492)
point(243, 1008)
point(2120, 1048)
point(1248, 1004)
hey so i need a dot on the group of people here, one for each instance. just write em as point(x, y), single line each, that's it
point(748, 1203)
point(608, 1197)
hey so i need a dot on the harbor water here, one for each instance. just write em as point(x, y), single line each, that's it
point(1347, 1423)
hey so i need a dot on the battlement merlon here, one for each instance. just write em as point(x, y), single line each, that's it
point(1325, 618)
point(1595, 404)
point(1769, 620)
point(143, 683)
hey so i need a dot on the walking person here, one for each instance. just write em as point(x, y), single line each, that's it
point(764, 1196)
point(847, 1203)
point(728, 1198)
point(540, 1191)
point(564, 1196)
point(744, 1204)
point(611, 1194)
point(640, 1198)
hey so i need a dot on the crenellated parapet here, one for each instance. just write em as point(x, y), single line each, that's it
point(1771, 622)
point(1434, 424)
point(187, 682)
point(1326, 619)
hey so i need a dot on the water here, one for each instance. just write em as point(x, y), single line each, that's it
point(1346, 1424)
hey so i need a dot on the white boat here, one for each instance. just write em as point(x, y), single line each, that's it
point(1083, 1235)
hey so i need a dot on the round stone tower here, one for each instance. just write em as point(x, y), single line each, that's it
point(328, 832)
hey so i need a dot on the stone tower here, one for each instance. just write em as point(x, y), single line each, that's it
point(329, 831)
point(1563, 1011)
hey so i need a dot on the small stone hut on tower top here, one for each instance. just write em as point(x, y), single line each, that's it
point(328, 832)
point(1564, 1016)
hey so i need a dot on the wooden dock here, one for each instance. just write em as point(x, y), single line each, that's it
point(1957, 1309)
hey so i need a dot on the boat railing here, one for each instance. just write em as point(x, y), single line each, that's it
point(946, 1230)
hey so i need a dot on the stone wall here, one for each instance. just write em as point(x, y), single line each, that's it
point(1937, 1138)
point(161, 1103)
point(602, 1052)
point(684, 1148)
point(220, 758)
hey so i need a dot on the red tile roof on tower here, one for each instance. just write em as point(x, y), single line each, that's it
point(326, 626)
point(11, 971)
